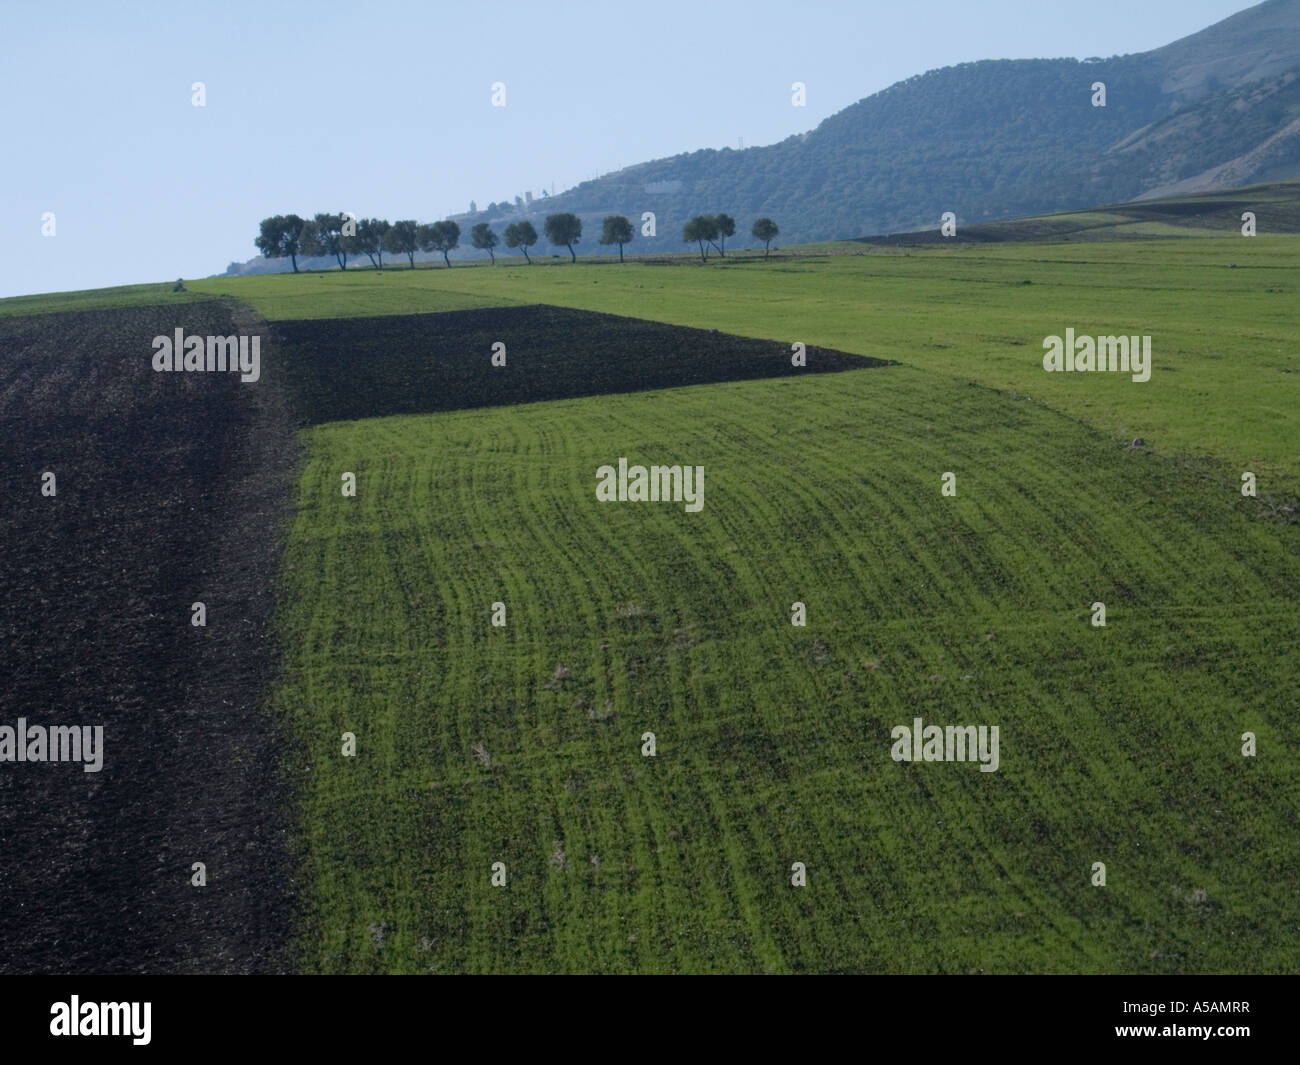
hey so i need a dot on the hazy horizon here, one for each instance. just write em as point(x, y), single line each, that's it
point(321, 111)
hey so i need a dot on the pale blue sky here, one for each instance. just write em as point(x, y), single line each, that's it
point(384, 108)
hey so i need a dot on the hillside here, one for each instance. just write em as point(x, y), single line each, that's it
point(1253, 44)
point(169, 491)
point(520, 745)
point(961, 139)
point(1209, 214)
point(519, 749)
point(1218, 108)
point(917, 603)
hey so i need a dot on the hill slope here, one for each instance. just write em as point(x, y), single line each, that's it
point(523, 744)
point(1208, 214)
point(1000, 138)
point(987, 140)
point(168, 489)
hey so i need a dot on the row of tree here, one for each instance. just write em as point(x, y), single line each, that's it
point(287, 236)
point(714, 229)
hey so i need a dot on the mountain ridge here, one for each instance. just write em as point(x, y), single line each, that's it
point(1214, 109)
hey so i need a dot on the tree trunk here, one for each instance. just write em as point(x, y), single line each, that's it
point(411, 255)
point(571, 253)
point(493, 254)
point(445, 259)
point(523, 249)
point(294, 260)
point(620, 253)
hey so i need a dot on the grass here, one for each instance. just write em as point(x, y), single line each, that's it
point(1207, 214)
point(96, 299)
point(522, 744)
point(1226, 380)
point(354, 293)
point(1219, 309)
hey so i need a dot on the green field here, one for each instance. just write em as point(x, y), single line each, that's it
point(1275, 205)
point(1220, 311)
point(1119, 744)
point(1226, 377)
point(95, 299)
point(522, 744)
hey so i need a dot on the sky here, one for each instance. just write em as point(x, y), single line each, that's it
point(385, 108)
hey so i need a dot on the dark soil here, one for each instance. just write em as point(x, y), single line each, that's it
point(171, 489)
point(422, 363)
point(175, 488)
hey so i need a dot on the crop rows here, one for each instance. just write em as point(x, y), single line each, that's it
point(1220, 312)
point(522, 744)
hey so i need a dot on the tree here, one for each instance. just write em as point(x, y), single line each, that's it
point(616, 230)
point(701, 228)
point(424, 236)
point(765, 230)
point(403, 238)
point(726, 228)
point(521, 235)
point(691, 231)
point(370, 238)
point(309, 242)
point(328, 238)
point(484, 239)
point(281, 236)
point(441, 236)
point(564, 229)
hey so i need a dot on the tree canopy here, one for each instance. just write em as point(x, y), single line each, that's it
point(441, 236)
point(765, 230)
point(281, 237)
point(482, 237)
point(726, 228)
point(701, 228)
point(403, 238)
point(616, 229)
point(324, 236)
point(564, 229)
point(341, 235)
point(521, 235)
point(370, 239)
